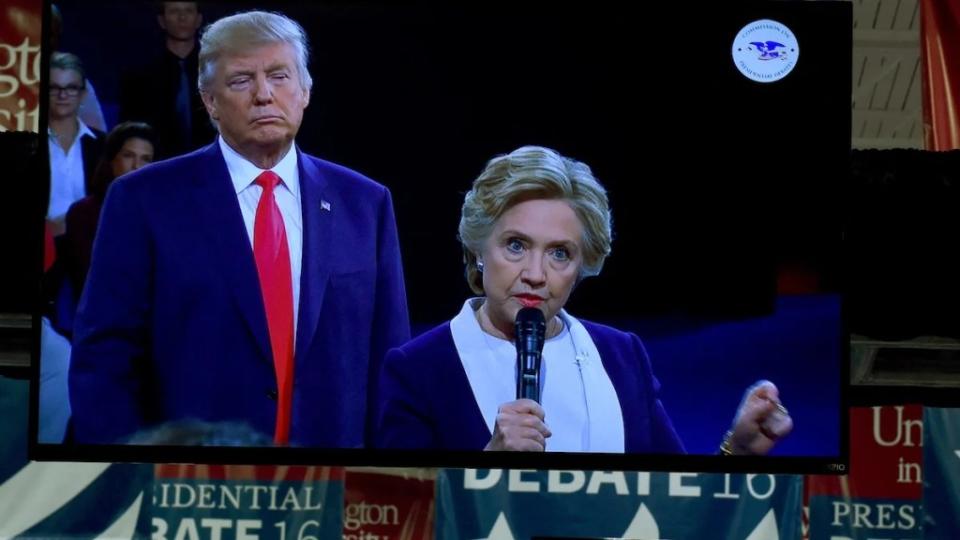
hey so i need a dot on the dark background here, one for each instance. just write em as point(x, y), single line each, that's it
point(713, 179)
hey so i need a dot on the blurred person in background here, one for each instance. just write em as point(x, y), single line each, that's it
point(74, 147)
point(163, 91)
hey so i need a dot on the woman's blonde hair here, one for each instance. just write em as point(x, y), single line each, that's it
point(534, 172)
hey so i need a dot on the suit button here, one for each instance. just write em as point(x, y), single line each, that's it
point(272, 394)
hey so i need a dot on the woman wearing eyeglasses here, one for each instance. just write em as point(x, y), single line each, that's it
point(74, 147)
point(74, 152)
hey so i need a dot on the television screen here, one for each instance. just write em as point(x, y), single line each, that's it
point(663, 186)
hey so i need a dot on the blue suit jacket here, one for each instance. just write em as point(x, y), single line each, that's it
point(425, 400)
point(172, 325)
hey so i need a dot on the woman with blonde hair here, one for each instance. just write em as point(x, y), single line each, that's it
point(533, 225)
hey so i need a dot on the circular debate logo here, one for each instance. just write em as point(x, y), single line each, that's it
point(765, 51)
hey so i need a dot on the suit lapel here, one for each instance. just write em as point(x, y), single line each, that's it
point(226, 235)
point(90, 149)
point(315, 269)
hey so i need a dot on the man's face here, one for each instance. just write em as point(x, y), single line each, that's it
point(180, 20)
point(256, 98)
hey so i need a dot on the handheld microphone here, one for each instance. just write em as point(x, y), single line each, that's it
point(529, 330)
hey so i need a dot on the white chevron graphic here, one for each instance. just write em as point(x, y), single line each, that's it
point(40, 489)
point(643, 526)
point(957, 452)
point(500, 531)
point(124, 527)
point(766, 529)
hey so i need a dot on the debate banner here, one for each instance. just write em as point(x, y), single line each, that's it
point(520, 504)
point(250, 502)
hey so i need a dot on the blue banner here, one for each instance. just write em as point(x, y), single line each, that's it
point(263, 503)
point(125, 501)
point(59, 500)
point(941, 463)
point(841, 518)
point(516, 504)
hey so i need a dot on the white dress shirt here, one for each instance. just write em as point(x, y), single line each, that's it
point(67, 179)
point(243, 173)
point(578, 398)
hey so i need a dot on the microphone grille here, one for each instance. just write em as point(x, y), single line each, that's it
point(530, 319)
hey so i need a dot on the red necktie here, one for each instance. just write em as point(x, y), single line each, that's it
point(273, 266)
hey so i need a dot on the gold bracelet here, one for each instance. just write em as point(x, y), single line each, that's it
point(725, 448)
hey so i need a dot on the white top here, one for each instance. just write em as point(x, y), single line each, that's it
point(287, 194)
point(579, 401)
point(67, 179)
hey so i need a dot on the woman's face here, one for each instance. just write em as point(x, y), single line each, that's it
point(66, 93)
point(531, 259)
point(134, 153)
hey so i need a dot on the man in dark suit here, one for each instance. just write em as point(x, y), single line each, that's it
point(163, 92)
point(246, 281)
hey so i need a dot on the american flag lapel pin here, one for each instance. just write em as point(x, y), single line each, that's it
point(324, 205)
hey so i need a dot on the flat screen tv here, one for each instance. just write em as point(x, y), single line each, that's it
point(720, 133)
